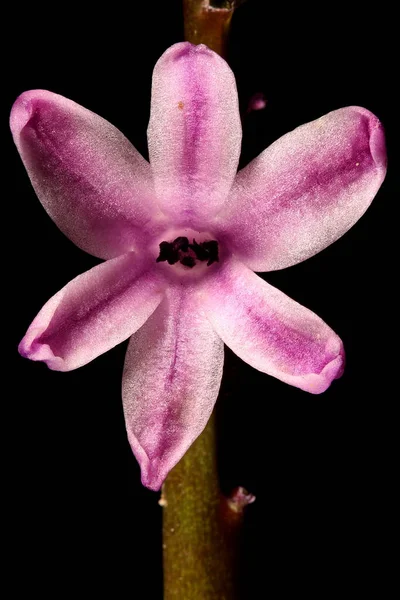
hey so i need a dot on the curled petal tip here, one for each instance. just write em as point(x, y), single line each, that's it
point(152, 474)
point(375, 136)
point(377, 145)
point(341, 361)
point(20, 113)
point(154, 469)
point(183, 49)
point(319, 383)
point(152, 479)
point(24, 349)
point(23, 109)
point(30, 347)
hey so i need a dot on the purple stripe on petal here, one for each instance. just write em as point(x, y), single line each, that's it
point(93, 313)
point(194, 132)
point(305, 190)
point(270, 331)
point(171, 379)
point(90, 179)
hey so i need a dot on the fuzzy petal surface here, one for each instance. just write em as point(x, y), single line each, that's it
point(90, 179)
point(305, 190)
point(172, 375)
point(194, 132)
point(270, 331)
point(93, 313)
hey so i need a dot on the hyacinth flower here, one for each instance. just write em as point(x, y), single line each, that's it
point(182, 235)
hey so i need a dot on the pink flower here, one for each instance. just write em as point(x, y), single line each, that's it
point(182, 236)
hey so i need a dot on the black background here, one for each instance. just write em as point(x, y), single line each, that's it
point(320, 466)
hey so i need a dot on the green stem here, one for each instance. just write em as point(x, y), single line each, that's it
point(201, 528)
point(198, 562)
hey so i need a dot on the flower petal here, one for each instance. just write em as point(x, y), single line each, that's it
point(93, 313)
point(306, 190)
point(194, 132)
point(271, 332)
point(90, 179)
point(172, 375)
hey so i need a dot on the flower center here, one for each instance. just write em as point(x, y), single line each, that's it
point(188, 253)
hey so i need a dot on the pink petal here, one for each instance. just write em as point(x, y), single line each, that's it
point(88, 176)
point(194, 132)
point(93, 313)
point(271, 332)
point(306, 190)
point(172, 375)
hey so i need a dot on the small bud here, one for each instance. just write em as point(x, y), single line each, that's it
point(239, 499)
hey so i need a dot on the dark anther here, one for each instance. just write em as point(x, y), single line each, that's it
point(180, 250)
point(164, 251)
point(212, 249)
point(181, 243)
point(171, 251)
point(168, 253)
point(188, 261)
point(199, 250)
point(206, 251)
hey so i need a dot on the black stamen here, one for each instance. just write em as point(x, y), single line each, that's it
point(164, 251)
point(188, 261)
point(181, 243)
point(181, 250)
point(199, 250)
point(168, 253)
point(212, 249)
